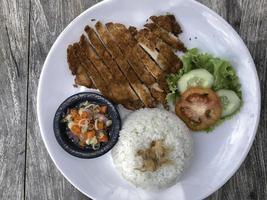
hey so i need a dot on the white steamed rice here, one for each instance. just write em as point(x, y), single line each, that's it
point(138, 131)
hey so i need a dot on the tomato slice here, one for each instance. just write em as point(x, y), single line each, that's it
point(75, 129)
point(199, 108)
point(104, 138)
point(90, 134)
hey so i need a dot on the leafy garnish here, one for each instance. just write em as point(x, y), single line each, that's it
point(224, 75)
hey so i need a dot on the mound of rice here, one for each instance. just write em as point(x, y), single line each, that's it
point(139, 129)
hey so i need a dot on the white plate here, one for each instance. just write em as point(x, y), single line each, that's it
point(217, 155)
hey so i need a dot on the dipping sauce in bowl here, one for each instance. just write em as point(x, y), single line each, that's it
point(87, 125)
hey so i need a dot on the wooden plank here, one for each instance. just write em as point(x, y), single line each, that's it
point(48, 19)
point(249, 18)
point(13, 99)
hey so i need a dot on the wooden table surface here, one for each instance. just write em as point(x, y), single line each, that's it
point(28, 30)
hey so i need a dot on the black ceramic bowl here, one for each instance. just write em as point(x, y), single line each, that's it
point(67, 143)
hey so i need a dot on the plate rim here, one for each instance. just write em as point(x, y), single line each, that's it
point(250, 58)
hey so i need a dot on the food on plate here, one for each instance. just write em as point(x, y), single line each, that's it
point(168, 23)
point(230, 102)
point(155, 156)
point(140, 68)
point(88, 124)
point(127, 65)
point(224, 75)
point(199, 108)
point(161, 52)
point(154, 148)
point(205, 71)
point(166, 36)
point(194, 78)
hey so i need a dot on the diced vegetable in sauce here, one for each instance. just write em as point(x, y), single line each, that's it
point(89, 123)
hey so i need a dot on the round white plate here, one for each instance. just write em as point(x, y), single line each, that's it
point(217, 155)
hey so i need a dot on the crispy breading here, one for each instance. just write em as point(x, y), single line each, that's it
point(129, 44)
point(149, 63)
point(118, 76)
point(148, 41)
point(167, 37)
point(167, 22)
point(128, 66)
point(90, 70)
point(131, 55)
point(81, 77)
point(166, 51)
point(141, 89)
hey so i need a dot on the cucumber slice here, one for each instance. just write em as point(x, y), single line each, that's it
point(230, 102)
point(194, 78)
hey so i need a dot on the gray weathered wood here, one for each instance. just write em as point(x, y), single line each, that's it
point(19, 76)
point(249, 18)
point(13, 96)
point(48, 19)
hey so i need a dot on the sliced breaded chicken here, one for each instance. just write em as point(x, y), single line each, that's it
point(118, 76)
point(105, 55)
point(94, 58)
point(158, 93)
point(128, 47)
point(81, 77)
point(141, 90)
point(167, 37)
point(119, 94)
point(128, 66)
point(151, 66)
point(174, 60)
point(108, 89)
point(167, 22)
point(72, 61)
point(159, 88)
point(148, 41)
point(131, 55)
point(159, 50)
point(80, 56)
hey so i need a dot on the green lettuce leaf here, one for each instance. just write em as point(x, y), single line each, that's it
point(224, 75)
